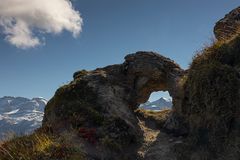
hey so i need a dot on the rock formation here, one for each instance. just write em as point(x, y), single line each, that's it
point(105, 99)
point(228, 26)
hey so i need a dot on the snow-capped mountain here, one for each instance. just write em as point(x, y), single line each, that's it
point(20, 115)
point(159, 104)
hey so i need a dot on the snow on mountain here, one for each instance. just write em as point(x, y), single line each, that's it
point(20, 115)
point(159, 104)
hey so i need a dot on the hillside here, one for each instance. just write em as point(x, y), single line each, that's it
point(160, 104)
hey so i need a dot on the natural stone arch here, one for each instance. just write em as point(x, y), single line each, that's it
point(105, 99)
point(152, 72)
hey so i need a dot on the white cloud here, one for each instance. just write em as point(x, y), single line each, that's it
point(20, 20)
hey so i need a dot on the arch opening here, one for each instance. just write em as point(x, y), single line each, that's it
point(157, 101)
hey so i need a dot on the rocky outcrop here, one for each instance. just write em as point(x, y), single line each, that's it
point(227, 27)
point(210, 107)
point(105, 100)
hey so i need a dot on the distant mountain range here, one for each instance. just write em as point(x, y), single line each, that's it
point(162, 103)
point(20, 115)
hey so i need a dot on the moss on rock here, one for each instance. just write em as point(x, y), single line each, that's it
point(76, 104)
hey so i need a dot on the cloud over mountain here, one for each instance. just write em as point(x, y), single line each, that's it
point(22, 21)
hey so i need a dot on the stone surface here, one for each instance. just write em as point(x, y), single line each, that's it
point(114, 93)
point(227, 27)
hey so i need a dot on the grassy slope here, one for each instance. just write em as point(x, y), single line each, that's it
point(39, 146)
point(211, 102)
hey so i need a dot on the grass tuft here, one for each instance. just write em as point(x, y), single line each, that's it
point(37, 146)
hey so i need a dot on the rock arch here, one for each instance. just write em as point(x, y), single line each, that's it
point(105, 98)
point(151, 72)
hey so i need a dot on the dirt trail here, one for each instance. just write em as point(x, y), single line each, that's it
point(157, 145)
point(150, 136)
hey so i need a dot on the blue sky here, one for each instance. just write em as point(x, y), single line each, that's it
point(112, 29)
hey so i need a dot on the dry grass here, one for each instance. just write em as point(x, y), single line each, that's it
point(38, 146)
point(159, 117)
point(224, 52)
point(211, 102)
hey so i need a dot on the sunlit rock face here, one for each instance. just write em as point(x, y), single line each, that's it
point(227, 27)
point(19, 116)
